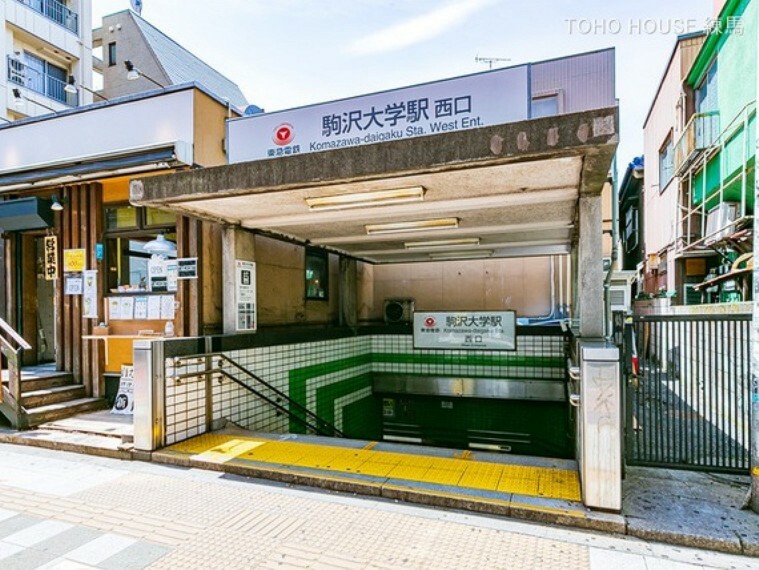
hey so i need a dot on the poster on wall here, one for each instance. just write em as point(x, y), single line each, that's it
point(140, 308)
point(245, 295)
point(114, 308)
point(172, 270)
point(51, 258)
point(90, 294)
point(187, 268)
point(74, 260)
point(124, 403)
point(73, 284)
point(479, 330)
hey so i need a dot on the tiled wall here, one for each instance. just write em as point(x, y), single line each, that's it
point(333, 379)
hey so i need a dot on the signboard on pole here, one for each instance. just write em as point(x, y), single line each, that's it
point(245, 295)
point(481, 330)
point(124, 403)
point(478, 100)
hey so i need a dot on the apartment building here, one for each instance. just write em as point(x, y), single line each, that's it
point(48, 45)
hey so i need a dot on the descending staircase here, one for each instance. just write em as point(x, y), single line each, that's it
point(45, 397)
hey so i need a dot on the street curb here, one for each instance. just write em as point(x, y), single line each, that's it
point(588, 520)
point(21, 439)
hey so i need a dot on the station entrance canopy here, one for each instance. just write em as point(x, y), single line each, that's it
point(456, 169)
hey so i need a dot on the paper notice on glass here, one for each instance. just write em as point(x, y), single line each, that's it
point(90, 295)
point(154, 307)
point(167, 307)
point(172, 270)
point(73, 284)
point(114, 308)
point(127, 308)
point(141, 307)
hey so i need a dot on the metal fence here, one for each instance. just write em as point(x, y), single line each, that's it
point(688, 405)
point(55, 11)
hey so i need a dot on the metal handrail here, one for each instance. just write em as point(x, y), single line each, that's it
point(293, 409)
point(321, 423)
point(42, 83)
point(691, 141)
point(55, 11)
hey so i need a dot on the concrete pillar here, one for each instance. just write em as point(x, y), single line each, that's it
point(237, 243)
point(348, 292)
point(590, 287)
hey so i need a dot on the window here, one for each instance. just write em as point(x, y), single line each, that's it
point(666, 163)
point(111, 54)
point(631, 229)
point(317, 274)
point(127, 230)
point(545, 106)
point(706, 93)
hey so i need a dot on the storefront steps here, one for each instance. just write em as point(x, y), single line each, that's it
point(49, 395)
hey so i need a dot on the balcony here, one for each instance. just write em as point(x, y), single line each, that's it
point(701, 132)
point(42, 83)
point(55, 11)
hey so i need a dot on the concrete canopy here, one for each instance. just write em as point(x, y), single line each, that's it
point(512, 189)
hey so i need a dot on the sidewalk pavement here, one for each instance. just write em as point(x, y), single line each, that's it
point(676, 507)
point(65, 511)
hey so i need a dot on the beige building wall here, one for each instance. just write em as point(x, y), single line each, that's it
point(121, 30)
point(666, 119)
point(520, 284)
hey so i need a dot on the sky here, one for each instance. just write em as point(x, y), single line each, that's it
point(288, 53)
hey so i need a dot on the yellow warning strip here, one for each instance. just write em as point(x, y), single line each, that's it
point(463, 471)
point(370, 445)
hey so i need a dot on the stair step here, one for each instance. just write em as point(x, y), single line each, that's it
point(51, 412)
point(33, 383)
point(54, 395)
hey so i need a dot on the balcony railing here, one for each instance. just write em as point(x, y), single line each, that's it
point(42, 83)
point(55, 11)
point(701, 132)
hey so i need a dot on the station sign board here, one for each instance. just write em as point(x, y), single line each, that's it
point(479, 330)
point(472, 101)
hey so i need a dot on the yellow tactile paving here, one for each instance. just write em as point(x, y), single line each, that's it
point(462, 470)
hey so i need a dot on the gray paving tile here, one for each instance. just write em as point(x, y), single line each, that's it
point(68, 540)
point(28, 559)
point(135, 557)
point(14, 524)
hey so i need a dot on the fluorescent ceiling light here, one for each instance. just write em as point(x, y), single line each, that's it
point(473, 254)
point(417, 226)
point(366, 199)
point(442, 243)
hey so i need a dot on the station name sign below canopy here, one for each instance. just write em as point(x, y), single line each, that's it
point(479, 100)
point(483, 330)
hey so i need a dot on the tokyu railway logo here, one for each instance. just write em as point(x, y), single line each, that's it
point(283, 134)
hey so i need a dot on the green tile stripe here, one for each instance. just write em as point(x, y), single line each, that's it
point(298, 378)
point(512, 360)
point(326, 395)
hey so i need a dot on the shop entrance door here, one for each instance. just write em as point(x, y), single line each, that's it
point(35, 297)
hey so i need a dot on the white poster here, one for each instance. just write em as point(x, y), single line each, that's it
point(73, 284)
point(124, 403)
point(127, 308)
point(245, 295)
point(168, 304)
point(172, 274)
point(154, 308)
point(477, 100)
point(90, 294)
point(481, 330)
point(114, 308)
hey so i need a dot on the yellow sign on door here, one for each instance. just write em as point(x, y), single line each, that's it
point(73, 260)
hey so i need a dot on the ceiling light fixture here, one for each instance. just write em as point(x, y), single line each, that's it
point(473, 254)
point(442, 243)
point(416, 226)
point(366, 199)
point(133, 74)
point(55, 204)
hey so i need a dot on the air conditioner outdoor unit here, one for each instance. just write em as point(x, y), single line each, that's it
point(719, 222)
point(619, 298)
point(398, 311)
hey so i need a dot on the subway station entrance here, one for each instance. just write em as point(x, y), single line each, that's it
point(502, 217)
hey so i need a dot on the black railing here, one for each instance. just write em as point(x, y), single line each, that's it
point(42, 83)
point(56, 11)
point(688, 405)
